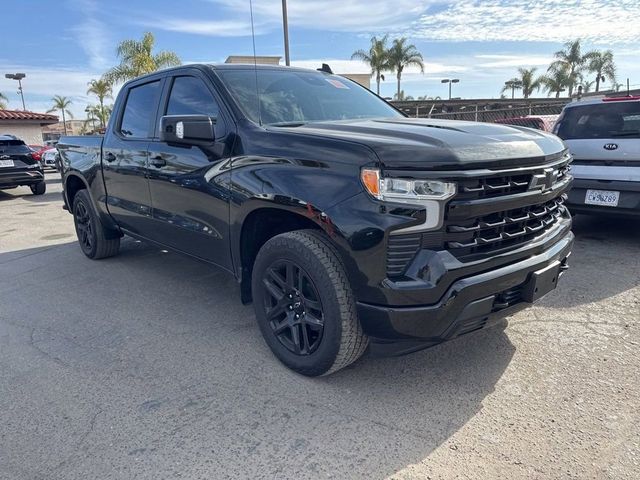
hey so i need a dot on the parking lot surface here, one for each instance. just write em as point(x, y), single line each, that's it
point(146, 365)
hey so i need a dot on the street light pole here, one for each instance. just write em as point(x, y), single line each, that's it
point(450, 81)
point(18, 77)
point(285, 27)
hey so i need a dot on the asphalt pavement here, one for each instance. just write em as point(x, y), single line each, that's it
point(146, 365)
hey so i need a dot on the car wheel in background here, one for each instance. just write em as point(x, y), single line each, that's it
point(38, 188)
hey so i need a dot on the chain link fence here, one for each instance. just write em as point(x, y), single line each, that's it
point(481, 110)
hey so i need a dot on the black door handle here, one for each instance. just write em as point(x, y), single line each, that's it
point(158, 161)
point(110, 157)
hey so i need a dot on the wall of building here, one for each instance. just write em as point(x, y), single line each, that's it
point(363, 79)
point(30, 133)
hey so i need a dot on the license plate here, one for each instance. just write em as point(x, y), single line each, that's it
point(6, 163)
point(607, 198)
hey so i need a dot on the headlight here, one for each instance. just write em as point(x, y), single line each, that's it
point(430, 194)
point(402, 189)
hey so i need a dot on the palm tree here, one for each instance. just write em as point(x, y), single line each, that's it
point(556, 81)
point(571, 61)
point(377, 58)
point(512, 84)
point(587, 86)
point(402, 55)
point(101, 89)
point(3, 101)
point(527, 81)
point(137, 58)
point(601, 63)
point(62, 104)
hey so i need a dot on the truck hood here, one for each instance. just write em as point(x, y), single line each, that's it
point(418, 144)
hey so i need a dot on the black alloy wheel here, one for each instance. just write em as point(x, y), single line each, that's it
point(96, 240)
point(83, 227)
point(304, 305)
point(293, 307)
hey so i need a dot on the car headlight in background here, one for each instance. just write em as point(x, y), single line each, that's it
point(431, 194)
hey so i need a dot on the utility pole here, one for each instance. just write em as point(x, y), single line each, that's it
point(18, 77)
point(285, 26)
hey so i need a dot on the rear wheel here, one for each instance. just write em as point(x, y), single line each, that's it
point(95, 240)
point(38, 188)
point(304, 304)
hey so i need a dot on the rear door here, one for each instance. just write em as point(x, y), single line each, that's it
point(190, 205)
point(124, 157)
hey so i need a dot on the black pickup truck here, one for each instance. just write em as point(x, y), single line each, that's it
point(346, 223)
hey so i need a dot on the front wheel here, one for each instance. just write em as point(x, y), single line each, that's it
point(95, 240)
point(304, 304)
point(38, 188)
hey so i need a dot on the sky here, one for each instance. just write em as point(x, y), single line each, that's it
point(62, 44)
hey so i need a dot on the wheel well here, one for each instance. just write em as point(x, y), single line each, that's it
point(73, 186)
point(259, 226)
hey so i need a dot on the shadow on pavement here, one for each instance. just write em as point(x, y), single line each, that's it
point(161, 348)
point(602, 262)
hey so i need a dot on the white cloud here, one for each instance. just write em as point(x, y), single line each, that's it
point(594, 21)
point(515, 61)
point(222, 28)
point(334, 15)
point(41, 84)
point(92, 34)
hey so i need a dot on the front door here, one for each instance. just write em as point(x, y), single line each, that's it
point(190, 208)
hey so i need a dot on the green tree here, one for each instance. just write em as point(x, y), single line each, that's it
point(556, 81)
point(602, 64)
point(101, 89)
point(62, 104)
point(377, 58)
point(402, 55)
point(571, 62)
point(3, 101)
point(137, 58)
point(527, 81)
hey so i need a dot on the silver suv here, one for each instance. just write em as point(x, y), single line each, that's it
point(604, 137)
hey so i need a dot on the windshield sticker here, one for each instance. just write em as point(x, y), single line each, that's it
point(336, 83)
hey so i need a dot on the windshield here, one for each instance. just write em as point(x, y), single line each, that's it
point(601, 120)
point(294, 97)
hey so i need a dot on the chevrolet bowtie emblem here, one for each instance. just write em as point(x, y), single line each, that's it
point(545, 180)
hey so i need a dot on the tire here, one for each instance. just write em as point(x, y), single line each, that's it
point(39, 188)
point(300, 273)
point(95, 240)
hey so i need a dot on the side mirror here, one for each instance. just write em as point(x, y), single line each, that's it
point(187, 129)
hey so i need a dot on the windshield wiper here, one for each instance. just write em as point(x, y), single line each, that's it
point(287, 124)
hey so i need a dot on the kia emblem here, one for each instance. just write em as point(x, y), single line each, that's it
point(610, 146)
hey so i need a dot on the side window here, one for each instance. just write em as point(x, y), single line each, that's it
point(140, 110)
point(190, 96)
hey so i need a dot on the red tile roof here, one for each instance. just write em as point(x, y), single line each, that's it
point(18, 115)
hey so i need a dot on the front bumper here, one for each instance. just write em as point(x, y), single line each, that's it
point(628, 202)
point(469, 304)
point(17, 178)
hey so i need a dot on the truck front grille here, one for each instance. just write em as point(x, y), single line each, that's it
point(491, 213)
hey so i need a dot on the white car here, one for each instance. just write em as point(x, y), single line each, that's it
point(603, 136)
point(49, 158)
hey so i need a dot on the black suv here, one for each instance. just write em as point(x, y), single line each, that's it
point(19, 167)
